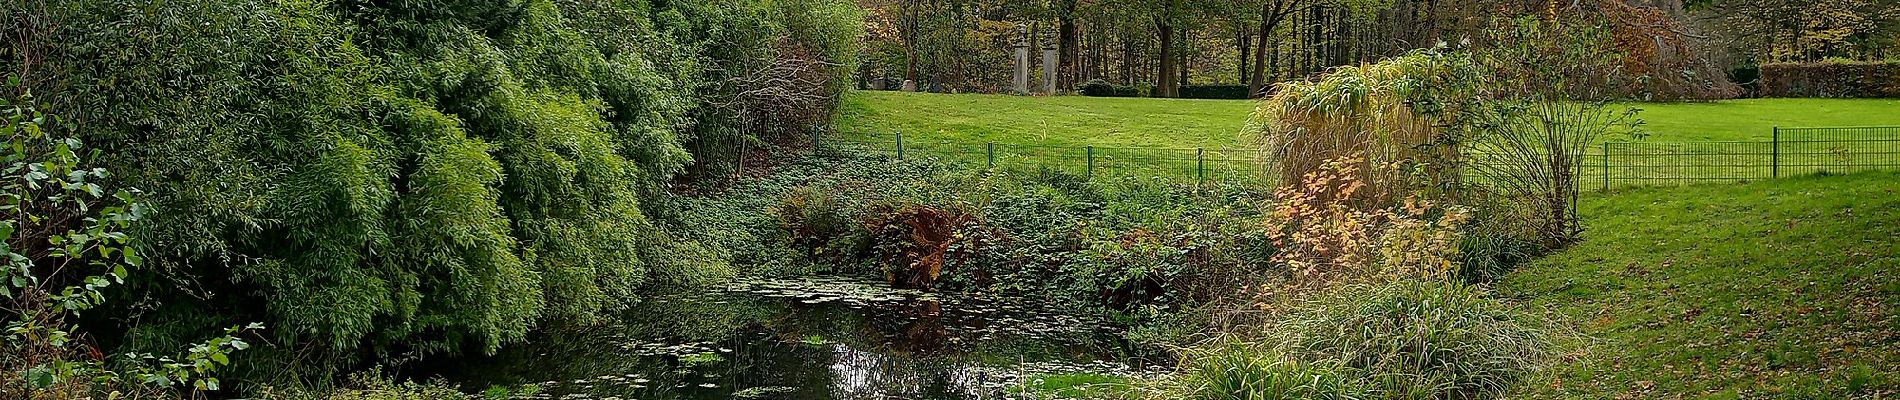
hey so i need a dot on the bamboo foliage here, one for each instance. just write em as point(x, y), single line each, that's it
point(374, 179)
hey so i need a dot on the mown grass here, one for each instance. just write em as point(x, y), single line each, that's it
point(1755, 119)
point(1075, 386)
point(1076, 121)
point(1774, 289)
point(1048, 121)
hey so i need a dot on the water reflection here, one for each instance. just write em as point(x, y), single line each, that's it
point(805, 339)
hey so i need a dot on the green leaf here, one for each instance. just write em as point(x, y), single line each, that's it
point(40, 377)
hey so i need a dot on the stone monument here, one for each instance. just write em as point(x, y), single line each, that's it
point(1048, 65)
point(1021, 46)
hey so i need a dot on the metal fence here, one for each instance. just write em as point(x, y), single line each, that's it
point(1187, 164)
point(1790, 152)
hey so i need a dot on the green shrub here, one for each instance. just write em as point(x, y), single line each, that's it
point(375, 385)
point(1408, 340)
point(1215, 92)
point(1419, 339)
point(1101, 88)
point(1242, 371)
point(821, 224)
point(420, 178)
point(1832, 79)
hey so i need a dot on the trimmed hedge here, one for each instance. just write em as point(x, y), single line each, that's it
point(1214, 92)
point(1101, 88)
point(1832, 80)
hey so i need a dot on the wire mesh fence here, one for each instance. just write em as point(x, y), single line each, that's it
point(1790, 152)
point(1184, 164)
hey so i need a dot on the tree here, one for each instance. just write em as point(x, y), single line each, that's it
point(1167, 15)
point(1272, 14)
point(1550, 95)
point(1806, 30)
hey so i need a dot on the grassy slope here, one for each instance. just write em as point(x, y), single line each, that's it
point(1778, 289)
point(1077, 121)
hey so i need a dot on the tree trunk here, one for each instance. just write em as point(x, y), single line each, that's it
point(1243, 44)
point(1127, 59)
point(1069, 50)
point(1164, 82)
point(1267, 20)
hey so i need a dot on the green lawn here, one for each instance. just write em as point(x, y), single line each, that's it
point(1052, 121)
point(1755, 119)
point(1075, 121)
point(1778, 289)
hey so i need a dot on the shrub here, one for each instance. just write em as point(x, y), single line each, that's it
point(1215, 92)
point(1404, 340)
point(1833, 79)
point(1397, 117)
point(67, 238)
point(1439, 339)
point(1101, 88)
point(1327, 238)
point(916, 242)
point(1244, 371)
point(820, 224)
point(1550, 98)
point(384, 178)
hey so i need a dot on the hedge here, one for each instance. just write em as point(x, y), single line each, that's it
point(1101, 88)
point(1214, 92)
point(1832, 80)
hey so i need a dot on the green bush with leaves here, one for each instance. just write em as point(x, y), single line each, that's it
point(65, 243)
point(376, 179)
point(1420, 339)
point(1410, 340)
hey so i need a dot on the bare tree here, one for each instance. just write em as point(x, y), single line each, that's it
point(1550, 97)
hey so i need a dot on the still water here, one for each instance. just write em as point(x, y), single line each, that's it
point(811, 339)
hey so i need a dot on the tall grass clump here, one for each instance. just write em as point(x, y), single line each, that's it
point(1396, 114)
point(1244, 371)
point(1414, 339)
point(1441, 339)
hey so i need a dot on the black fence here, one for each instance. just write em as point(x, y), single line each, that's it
point(1186, 164)
point(1790, 152)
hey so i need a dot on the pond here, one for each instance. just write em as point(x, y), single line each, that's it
point(811, 339)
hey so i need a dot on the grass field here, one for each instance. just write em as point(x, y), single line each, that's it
point(1049, 121)
point(1075, 121)
point(1776, 289)
point(1190, 139)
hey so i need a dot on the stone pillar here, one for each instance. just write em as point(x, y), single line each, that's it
point(1048, 67)
point(1021, 77)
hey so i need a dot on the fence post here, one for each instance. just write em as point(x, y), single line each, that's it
point(1200, 164)
point(1777, 152)
point(1606, 166)
point(990, 148)
point(1091, 156)
point(900, 145)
